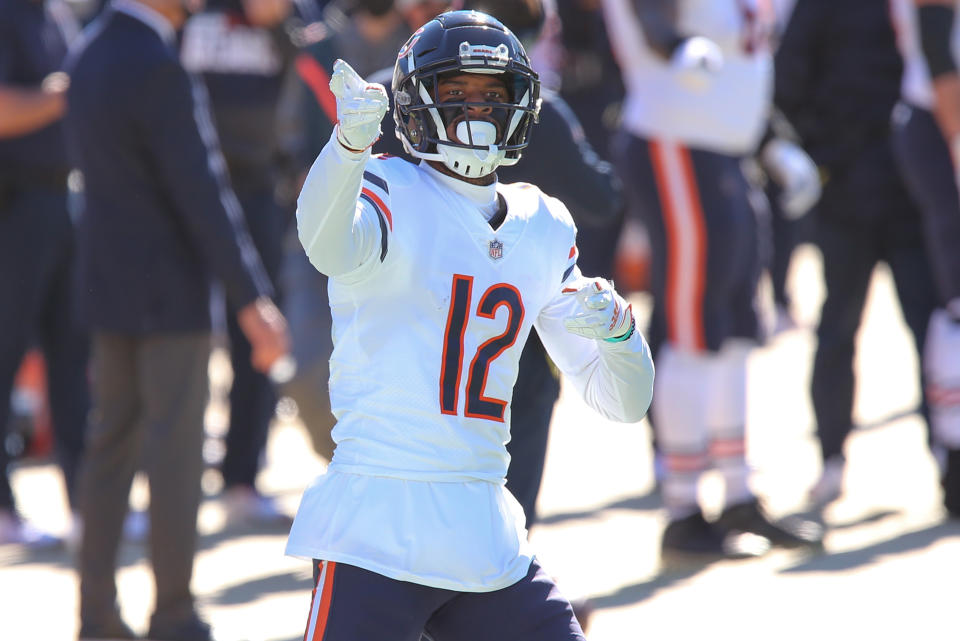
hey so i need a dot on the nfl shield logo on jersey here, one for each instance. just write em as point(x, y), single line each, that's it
point(496, 249)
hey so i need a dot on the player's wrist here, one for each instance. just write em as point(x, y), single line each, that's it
point(345, 151)
point(347, 144)
point(626, 335)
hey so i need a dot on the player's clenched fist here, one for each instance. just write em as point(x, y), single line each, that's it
point(361, 106)
point(603, 315)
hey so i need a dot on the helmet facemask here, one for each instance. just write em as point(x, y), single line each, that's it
point(483, 143)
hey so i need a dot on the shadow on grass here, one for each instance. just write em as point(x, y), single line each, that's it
point(860, 557)
point(644, 502)
point(668, 577)
point(248, 591)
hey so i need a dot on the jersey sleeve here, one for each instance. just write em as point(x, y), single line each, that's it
point(343, 212)
point(615, 379)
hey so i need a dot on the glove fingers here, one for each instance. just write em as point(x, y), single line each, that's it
point(345, 80)
point(365, 110)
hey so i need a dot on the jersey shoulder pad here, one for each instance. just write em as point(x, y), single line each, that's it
point(392, 169)
point(531, 199)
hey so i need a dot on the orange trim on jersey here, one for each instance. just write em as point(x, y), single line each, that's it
point(685, 227)
point(317, 78)
point(500, 404)
point(380, 204)
point(328, 569)
point(573, 252)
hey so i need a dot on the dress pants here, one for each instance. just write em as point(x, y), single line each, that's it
point(150, 393)
point(865, 216)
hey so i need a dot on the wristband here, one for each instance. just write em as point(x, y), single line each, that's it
point(627, 335)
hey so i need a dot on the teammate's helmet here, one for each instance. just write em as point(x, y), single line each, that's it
point(463, 42)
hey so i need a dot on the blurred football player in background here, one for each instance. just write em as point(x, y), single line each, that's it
point(699, 78)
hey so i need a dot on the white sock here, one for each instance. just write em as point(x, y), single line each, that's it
point(679, 419)
point(726, 420)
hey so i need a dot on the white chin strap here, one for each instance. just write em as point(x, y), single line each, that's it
point(473, 163)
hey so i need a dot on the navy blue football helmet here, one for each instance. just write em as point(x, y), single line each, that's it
point(463, 42)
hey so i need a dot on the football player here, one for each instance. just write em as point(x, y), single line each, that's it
point(698, 76)
point(927, 143)
point(437, 274)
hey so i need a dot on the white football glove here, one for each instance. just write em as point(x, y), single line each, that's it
point(697, 60)
point(796, 174)
point(604, 314)
point(361, 106)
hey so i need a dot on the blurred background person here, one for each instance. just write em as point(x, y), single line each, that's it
point(367, 33)
point(244, 50)
point(838, 78)
point(699, 85)
point(158, 221)
point(927, 141)
point(589, 80)
point(37, 238)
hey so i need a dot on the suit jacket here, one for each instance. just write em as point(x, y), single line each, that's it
point(159, 217)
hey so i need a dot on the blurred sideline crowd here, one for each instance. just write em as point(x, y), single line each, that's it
point(697, 143)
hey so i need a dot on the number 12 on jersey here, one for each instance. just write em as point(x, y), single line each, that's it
point(451, 369)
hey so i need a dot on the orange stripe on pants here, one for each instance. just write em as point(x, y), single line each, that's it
point(686, 241)
point(320, 603)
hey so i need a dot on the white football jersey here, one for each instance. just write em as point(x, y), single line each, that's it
point(916, 87)
point(730, 115)
point(431, 308)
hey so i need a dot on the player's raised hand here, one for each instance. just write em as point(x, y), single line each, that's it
point(603, 315)
point(361, 106)
point(696, 60)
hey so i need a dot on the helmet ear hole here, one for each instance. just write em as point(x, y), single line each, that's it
point(414, 132)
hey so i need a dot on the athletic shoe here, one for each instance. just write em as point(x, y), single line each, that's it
point(829, 487)
point(790, 532)
point(15, 531)
point(113, 629)
point(246, 506)
point(693, 537)
point(193, 629)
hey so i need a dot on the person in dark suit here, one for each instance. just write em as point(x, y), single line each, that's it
point(36, 238)
point(159, 221)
